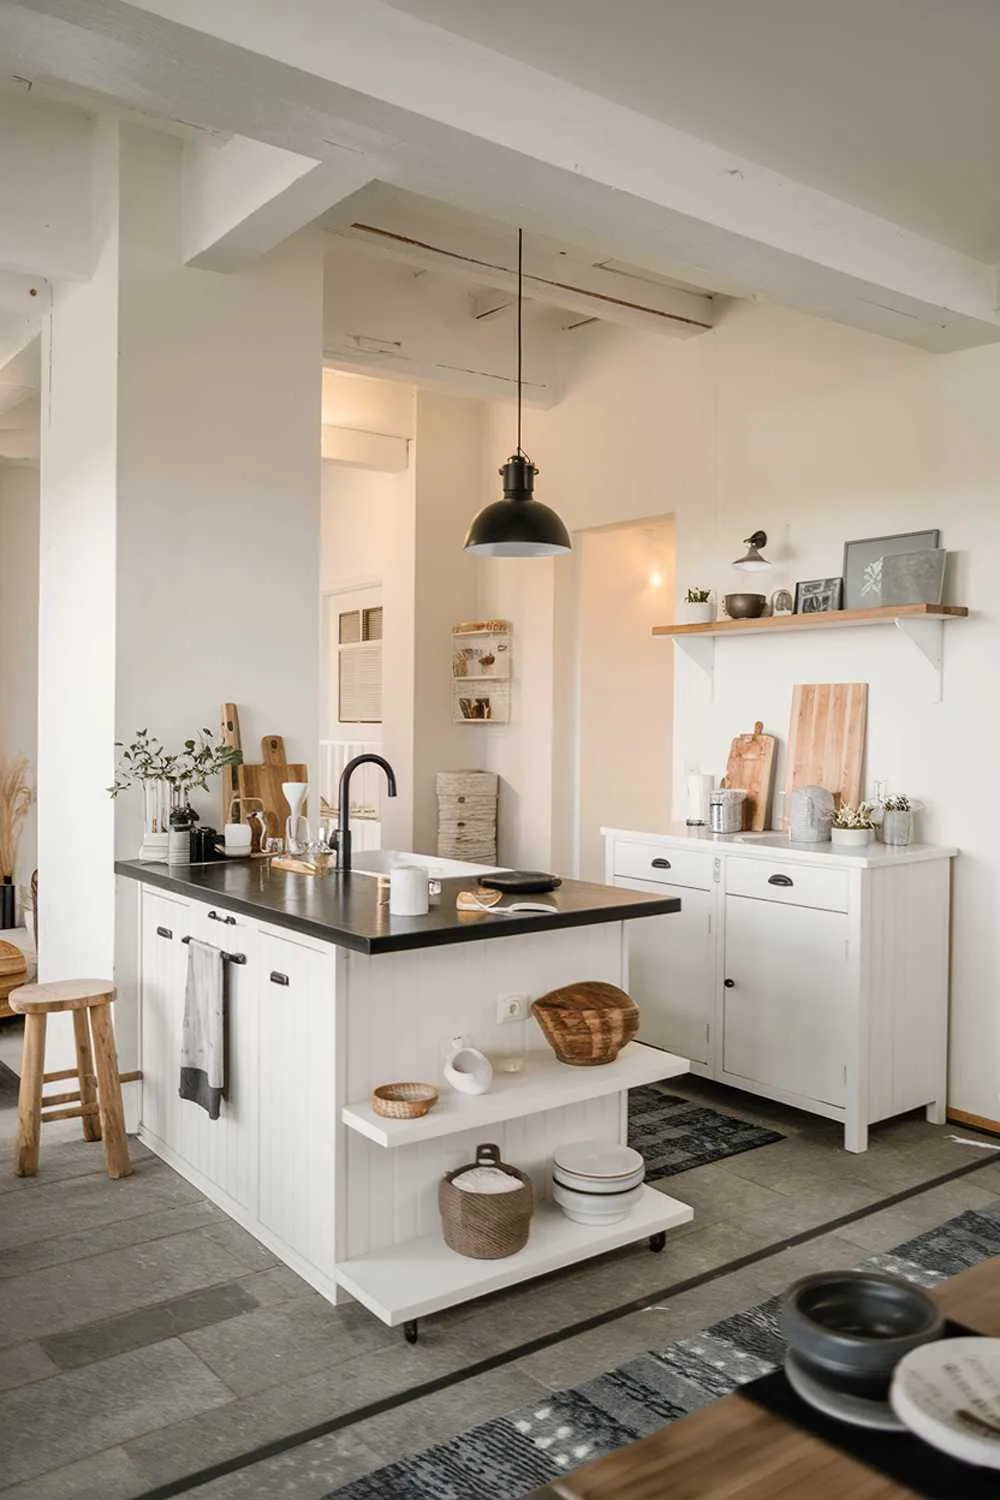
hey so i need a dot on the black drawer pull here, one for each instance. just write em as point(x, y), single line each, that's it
point(277, 978)
point(661, 864)
point(213, 916)
point(164, 932)
point(729, 983)
point(780, 880)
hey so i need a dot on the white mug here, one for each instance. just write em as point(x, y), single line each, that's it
point(408, 891)
point(238, 838)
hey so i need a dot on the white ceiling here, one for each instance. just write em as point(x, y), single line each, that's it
point(891, 105)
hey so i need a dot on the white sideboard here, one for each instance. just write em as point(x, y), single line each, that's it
point(807, 975)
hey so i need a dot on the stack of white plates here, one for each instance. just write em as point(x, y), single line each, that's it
point(597, 1182)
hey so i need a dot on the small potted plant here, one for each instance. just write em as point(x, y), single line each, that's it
point(167, 781)
point(852, 827)
point(697, 608)
point(897, 820)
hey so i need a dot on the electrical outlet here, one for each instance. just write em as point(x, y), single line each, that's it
point(512, 1008)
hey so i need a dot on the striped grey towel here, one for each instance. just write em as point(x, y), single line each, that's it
point(203, 1037)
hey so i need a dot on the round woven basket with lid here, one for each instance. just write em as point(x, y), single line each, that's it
point(491, 1225)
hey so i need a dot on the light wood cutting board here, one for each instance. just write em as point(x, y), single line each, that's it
point(826, 739)
point(265, 780)
point(751, 766)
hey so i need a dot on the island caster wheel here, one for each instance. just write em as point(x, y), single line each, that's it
point(410, 1331)
point(657, 1242)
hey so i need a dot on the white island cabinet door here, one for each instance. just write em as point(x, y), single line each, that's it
point(165, 920)
point(671, 965)
point(224, 1151)
point(297, 1096)
point(786, 998)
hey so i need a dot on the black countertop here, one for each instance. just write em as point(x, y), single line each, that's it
point(345, 909)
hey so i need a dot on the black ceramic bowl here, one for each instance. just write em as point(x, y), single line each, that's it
point(851, 1328)
point(745, 606)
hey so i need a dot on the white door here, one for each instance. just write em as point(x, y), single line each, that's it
point(297, 1085)
point(165, 920)
point(786, 997)
point(672, 971)
point(224, 1151)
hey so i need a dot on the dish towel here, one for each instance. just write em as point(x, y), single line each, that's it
point(203, 1036)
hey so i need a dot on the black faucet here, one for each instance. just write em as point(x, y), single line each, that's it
point(344, 810)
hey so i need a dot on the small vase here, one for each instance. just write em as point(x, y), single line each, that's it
point(897, 826)
point(467, 1069)
point(850, 838)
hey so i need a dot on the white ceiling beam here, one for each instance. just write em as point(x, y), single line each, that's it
point(241, 199)
point(564, 161)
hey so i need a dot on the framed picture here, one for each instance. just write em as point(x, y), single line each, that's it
point(863, 564)
point(819, 596)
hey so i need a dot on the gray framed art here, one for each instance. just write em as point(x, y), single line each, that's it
point(863, 563)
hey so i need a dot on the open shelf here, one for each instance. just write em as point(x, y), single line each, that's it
point(423, 1276)
point(922, 624)
point(544, 1084)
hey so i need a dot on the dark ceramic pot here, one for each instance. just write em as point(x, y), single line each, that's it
point(745, 606)
point(851, 1328)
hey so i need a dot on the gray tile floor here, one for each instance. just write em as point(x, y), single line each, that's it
point(143, 1335)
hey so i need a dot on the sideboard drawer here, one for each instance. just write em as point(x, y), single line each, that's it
point(794, 885)
point(657, 862)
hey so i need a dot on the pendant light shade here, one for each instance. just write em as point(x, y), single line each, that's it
point(751, 561)
point(518, 525)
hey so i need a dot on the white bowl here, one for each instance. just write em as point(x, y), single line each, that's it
point(597, 1160)
point(585, 1208)
point(598, 1186)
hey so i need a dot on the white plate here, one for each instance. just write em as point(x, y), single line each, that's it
point(598, 1159)
point(936, 1382)
point(856, 1410)
point(582, 1208)
point(598, 1186)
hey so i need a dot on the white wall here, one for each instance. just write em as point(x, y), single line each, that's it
point(815, 433)
point(19, 657)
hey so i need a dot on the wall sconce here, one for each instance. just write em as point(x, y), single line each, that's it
point(751, 561)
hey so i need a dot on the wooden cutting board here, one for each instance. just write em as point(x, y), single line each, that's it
point(751, 766)
point(230, 735)
point(265, 780)
point(826, 739)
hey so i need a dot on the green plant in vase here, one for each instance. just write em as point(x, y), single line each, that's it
point(697, 607)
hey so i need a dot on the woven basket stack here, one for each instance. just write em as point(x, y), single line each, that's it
point(467, 816)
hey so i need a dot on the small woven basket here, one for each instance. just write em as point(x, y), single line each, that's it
point(587, 1024)
point(486, 1226)
point(403, 1101)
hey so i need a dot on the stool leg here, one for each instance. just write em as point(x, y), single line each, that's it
point(85, 1068)
point(109, 1092)
point(29, 1099)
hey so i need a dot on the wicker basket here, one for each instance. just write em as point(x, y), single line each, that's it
point(587, 1024)
point(403, 1101)
point(486, 1226)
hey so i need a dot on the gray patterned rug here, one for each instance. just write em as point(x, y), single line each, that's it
point(674, 1134)
point(509, 1456)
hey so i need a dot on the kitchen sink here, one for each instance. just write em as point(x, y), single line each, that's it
point(381, 861)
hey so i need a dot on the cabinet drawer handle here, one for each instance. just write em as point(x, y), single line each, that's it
point(660, 864)
point(277, 978)
point(213, 916)
point(780, 880)
point(164, 932)
point(729, 983)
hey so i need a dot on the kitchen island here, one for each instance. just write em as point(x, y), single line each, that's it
point(328, 995)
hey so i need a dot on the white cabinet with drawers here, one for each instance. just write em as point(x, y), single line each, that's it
point(816, 978)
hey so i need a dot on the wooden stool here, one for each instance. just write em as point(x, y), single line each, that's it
point(99, 1094)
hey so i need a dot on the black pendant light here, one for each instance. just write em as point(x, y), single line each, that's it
point(518, 525)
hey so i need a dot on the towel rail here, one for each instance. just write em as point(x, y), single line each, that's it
point(227, 958)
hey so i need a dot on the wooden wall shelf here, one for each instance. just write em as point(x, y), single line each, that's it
point(922, 624)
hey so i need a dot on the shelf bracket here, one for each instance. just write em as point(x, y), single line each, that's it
point(701, 650)
point(928, 637)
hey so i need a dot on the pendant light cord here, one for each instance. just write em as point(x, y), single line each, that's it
point(520, 333)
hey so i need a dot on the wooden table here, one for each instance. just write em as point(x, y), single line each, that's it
point(734, 1450)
